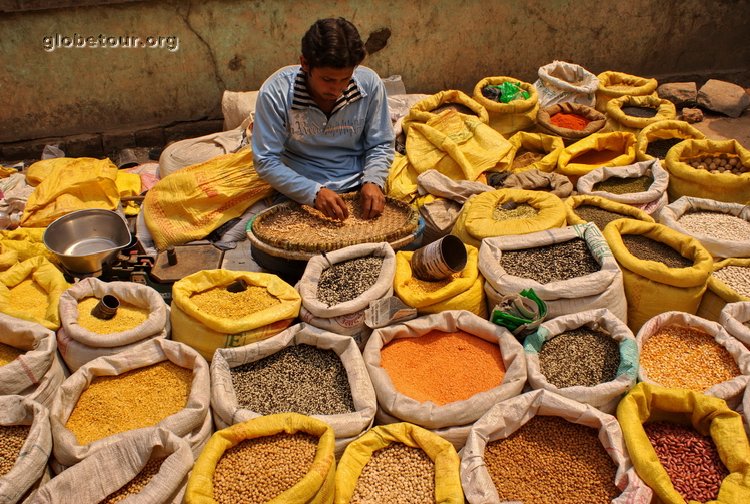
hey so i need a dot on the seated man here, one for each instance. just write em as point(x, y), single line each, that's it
point(322, 127)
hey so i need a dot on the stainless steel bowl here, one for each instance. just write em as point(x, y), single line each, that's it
point(86, 240)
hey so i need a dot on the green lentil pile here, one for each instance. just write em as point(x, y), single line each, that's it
point(552, 461)
point(137, 484)
point(398, 474)
point(12, 438)
point(736, 277)
point(512, 210)
point(347, 280)
point(660, 148)
point(257, 470)
point(717, 224)
point(551, 263)
point(624, 185)
point(646, 249)
point(597, 215)
point(300, 379)
point(579, 357)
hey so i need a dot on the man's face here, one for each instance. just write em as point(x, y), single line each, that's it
point(326, 83)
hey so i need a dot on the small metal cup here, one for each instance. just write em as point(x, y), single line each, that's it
point(106, 308)
point(439, 259)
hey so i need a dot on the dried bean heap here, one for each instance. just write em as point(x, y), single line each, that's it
point(257, 470)
point(12, 438)
point(690, 459)
point(686, 357)
point(597, 215)
point(660, 148)
point(552, 461)
point(513, 210)
point(8, 354)
point(347, 280)
point(220, 302)
point(624, 185)
point(647, 249)
point(551, 263)
point(428, 286)
point(397, 474)
point(299, 379)
point(736, 277)
point(721, 163)
point(720, 225)
point(127, 317)
point(579, 357)
point(137, 484)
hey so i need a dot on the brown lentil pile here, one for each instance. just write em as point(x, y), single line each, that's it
point(720, 163)
point(624, 185)
point(579, 357)
point(12, 438)
point(513, 210)
point(552, 461)
point(137, 484)
point(29, 298)
point(8, 354)
point(717, 224)
point(300, 379)
point(551, 263)
point(139, 398)
point(347, 280)
point(686, 357)
point(397, 473)
point(660, 148)
point(690, 459)
point(428, 286)
point(220, 302)
point(597, 215)
point(127, 317)
point(525, 158)
point(257, 470)
point(634, 111)
point(646, 249)
point(736, 277)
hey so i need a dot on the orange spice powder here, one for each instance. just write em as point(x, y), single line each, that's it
point(443, 367)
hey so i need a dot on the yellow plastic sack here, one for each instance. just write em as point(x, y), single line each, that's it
point(512, 117)
point(402, 180)
point(422, 111)
point(719, 294)
point(7, 172)
point(684, 180)
point(476, 220)
point(316, 487)
point(617, 120)
point(206, 332)
point(663, 130)
point(193, 201)
point(708, 415)
point(628, 211)
point(538, 142)
point(618, 145)
point(31, 290)
point(651, 287)
point(8, 257)
point(617, 84)
point(67, 184)
point(129, 184)
point(448, 489)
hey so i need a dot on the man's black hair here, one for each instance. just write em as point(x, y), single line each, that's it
point(333, 42)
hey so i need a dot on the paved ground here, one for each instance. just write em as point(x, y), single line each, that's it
point(722, 128)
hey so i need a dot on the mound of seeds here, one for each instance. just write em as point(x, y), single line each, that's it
point(428, 286)
point(551, 263)
point(647, 249)
point(579, 357)
point(634, 111)
point(29, 298)
point(347, 280)
point(624, 185)
point(299, 378)
point(127, 317)
point(137, 484)
point(8, 354)
point(12, 438)
point(690, 459)
point(257, 470)
point(398, 474)
point(513, 210)
point(552, 461)
point(721, 163)
point(736, 277)
point(659, 148)
point(597, 215)
point(719, 225)
point(524, 158)
point(220, 302)
point(686, 357)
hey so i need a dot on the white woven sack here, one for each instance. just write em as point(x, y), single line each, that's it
point(650, 201)
point(193, 423)
point(36, 372)
point(115, 465)
point(719, 248)
point(458, 413)
point(561, 82)
point(78, 345)
point(604, 396)
point(735, 318)
point(508, 416)
point(192, 151)
point(31, 464)
point(602, 289)
point(346, 427)
point(725, 390)
point(236, 107)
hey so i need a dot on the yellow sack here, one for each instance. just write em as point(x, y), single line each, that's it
point(719, 294)
point(422, 111)
point(402, 180)
point(476, 220)
point(129, 184)
point(684, 180)
point(627, 211)
point(68, 184)
point(206, 332)
point(316, 487)
point(617, 120)
point(193, 201)
point(8, 257)
point(651, 287)
point(708, 415)
point(448, 489)
point(549, 145)
point(31, 290)
point(7, 172)
point(617, 84)
point(616, 148)
point(26, 243)
point(509, 118)
point(663, 130)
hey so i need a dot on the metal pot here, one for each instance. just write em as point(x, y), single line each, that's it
point(84, 241)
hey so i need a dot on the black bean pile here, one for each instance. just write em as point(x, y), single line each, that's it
point(551, 263)
point(579, 357)
point(300, 379)
point(659, 148)
point(645, 112)
point(624, 185)
point(597, 215)
point(347, 280)
point(646, 249)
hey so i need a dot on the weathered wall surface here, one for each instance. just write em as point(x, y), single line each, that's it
point(233, 45)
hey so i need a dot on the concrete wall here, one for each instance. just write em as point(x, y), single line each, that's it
point(235, 45)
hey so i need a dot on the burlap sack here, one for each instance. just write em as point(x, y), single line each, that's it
point(735, 318)
point(544, 123)
point(563, 82)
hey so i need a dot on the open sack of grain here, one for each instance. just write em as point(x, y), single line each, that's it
point(729, 283)
point(616, 148)
point(633, 113)
point(613, 84)
point(655, 140)
point(31, 290)
point(601, 211)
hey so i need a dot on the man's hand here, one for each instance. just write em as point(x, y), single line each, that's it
point(331, 204)
point(373, 200)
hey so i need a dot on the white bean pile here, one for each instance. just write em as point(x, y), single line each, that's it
point(717, 224)
point(736, 277)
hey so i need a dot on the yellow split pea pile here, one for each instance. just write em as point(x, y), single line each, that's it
point(8, 354)
point(220, 302)
point(127, 317)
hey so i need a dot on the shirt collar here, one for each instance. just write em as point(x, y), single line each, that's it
point(302, 98)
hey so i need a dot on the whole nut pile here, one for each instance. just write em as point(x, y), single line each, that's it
point(579, 357)
point(551, 263)
point(648, 249)
point(137, 484)
point(12, 438)
point(720, 225)
point(720, 163)
point(347, 280)
point(736, 277)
